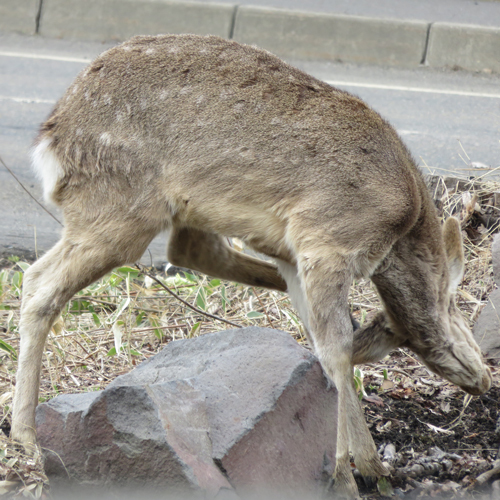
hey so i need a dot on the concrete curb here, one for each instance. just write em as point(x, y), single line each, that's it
point(104, 20)
point(305, 35)
point(475, 48)
point(20, 16)
point(288, 33)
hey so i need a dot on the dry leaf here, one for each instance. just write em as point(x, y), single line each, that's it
point(387, 384)
point(445, 406)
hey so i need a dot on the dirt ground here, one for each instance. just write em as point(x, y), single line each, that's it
point(440, 439)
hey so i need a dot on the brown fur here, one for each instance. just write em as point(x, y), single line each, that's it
point(209, 139)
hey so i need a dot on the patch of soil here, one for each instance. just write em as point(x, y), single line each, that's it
point(435, 438)
point(406, 422)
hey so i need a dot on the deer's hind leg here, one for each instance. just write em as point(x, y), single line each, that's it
point(210, 254)
point(86, 252)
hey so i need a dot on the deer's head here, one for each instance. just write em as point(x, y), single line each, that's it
point(453, 353)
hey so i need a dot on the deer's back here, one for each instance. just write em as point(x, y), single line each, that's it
point(209, 118)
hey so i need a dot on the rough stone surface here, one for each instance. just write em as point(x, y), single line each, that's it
point(238, 409)
point(487, 327)
point(495, 255)
point(18, 16)
point(104, 20)
point(305, 35)
point(474, 48)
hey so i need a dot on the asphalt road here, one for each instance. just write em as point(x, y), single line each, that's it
point(449, 120)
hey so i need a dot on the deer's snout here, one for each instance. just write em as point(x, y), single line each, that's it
point(483, 386)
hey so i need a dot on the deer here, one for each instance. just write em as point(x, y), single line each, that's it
point(209, 139)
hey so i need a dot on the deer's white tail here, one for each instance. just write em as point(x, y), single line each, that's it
point(47, 167)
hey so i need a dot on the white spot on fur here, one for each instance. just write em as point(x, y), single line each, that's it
point(46, 167)
point(150, 51)
point(247, 153)
point(163, 94)
point(239, 106)
point(126, 48)
point(105, 138)
point(226, 94)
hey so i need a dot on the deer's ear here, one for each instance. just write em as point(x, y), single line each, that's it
point(452, 236)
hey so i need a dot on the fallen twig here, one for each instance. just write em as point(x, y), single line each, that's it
point(486, 476)
point(143, 270)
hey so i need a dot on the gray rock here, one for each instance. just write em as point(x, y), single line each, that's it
point(495, 255)
point(495, 489)
point(228, 411)
point(487, 328)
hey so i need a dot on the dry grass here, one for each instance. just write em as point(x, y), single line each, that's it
point(126, 317)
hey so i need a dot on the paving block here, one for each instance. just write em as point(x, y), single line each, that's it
point(474, 48)
point(105, 20)
point(18, 16)
point(303, 35)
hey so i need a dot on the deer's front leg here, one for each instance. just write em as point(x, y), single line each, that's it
point(326, 285)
